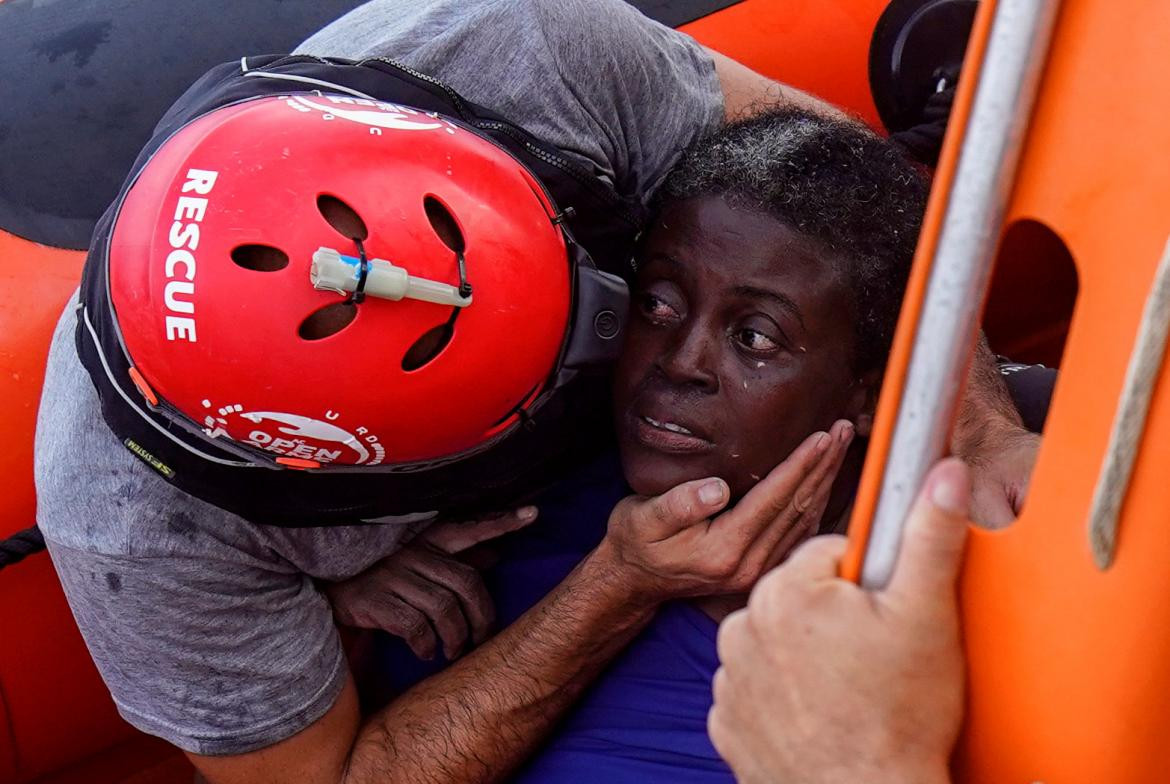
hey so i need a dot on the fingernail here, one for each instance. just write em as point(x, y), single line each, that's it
point(713, 492)
point(948, 493)
point(846, 432)
point(526, 513)
point(822, 442)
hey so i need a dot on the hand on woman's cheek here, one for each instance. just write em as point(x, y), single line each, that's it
point(667, 546)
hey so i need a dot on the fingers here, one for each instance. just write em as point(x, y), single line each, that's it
point(679, 508)
point(800, 519)
point(371, 601)
point(455, 537)
point(816, 559)
point(441, 609)
point(466, 584)
point(721, 735)
point(728, 740)
point(802, 529)
point(726, 717)
point(935, 534)
point(776, 490)
point(417, 632)
point(790, 509)
point(439, 606)
point(732, 636)
point(395, 616)
point(813, 492)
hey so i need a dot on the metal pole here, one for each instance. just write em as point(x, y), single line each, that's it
point(1002, 106)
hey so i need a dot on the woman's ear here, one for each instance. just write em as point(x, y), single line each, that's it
point(864, 402)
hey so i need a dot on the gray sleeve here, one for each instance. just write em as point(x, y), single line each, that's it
point(216, 657)
point(620, 92)
point(648, 90)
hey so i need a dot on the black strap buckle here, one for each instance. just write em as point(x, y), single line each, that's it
point(359, 294)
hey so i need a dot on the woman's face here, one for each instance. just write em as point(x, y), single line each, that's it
point(740, 344)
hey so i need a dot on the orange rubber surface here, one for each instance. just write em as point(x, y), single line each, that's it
point(820, 46)
point(54, 710)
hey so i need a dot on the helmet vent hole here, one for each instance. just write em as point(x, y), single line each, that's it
point(342, 217)
point(427, 347)
point(326, 321)
point(261, 258)
point(443, 222)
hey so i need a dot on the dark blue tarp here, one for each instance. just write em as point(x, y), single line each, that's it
point(82, 83)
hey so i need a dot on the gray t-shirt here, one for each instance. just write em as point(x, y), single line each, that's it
point(209, 630)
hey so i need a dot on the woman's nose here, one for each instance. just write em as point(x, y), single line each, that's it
point(689, 358)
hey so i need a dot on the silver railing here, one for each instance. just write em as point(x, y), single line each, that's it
point(998, 120)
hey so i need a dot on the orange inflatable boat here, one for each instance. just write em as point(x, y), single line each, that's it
point(78, 108)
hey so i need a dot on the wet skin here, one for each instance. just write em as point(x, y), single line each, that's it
point(740, 344)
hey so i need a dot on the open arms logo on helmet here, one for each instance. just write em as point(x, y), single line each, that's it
point(377, 115)
point(300, 437)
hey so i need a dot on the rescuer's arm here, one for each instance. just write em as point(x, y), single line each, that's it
point(990, 437)
point(481, 717)
point(746, 92)
point(476, 720)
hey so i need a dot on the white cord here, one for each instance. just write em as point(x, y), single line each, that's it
point(1145, 365)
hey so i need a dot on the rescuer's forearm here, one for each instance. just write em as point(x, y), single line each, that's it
point(480, 718)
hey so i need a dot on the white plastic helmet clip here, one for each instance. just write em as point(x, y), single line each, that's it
point(333, 271)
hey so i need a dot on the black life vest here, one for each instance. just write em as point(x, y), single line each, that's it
point(571, 425)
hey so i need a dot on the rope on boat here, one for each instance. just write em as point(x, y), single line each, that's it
point(21, 545)
point(1145, 364)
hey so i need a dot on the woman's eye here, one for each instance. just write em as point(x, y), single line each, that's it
point(656, 309)
point(754, 340)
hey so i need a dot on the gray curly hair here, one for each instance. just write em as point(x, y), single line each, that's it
point(838, 184)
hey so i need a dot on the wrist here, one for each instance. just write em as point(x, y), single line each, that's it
point(924, 773)
point(897, 771)
point(624, 582)
point(915, 765)
point(987, 436)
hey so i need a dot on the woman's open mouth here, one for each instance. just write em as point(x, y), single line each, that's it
point(667, 436)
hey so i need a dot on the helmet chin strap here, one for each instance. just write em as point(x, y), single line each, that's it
point(361, 276)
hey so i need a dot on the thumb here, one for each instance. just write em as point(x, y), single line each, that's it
point(662, 516)
point(455, 537)
point(936, 532)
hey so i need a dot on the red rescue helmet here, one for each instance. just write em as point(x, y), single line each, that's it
point(328, 280)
